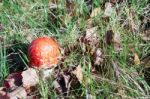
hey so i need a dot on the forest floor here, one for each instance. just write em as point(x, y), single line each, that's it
point(105, 46)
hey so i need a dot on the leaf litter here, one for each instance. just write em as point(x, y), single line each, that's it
point(72, 76)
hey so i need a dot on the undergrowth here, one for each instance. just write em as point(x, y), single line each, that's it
point(117, 77)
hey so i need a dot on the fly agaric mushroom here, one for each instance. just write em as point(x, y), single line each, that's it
point(43, 52)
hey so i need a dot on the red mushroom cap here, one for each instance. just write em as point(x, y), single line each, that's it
point(43, 52)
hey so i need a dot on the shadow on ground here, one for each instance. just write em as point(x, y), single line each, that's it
point(17, 57)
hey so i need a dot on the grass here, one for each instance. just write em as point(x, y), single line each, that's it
point(22, 21)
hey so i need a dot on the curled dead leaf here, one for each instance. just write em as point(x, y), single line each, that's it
point(78, 73)
point(61, 84)
point(109, 37)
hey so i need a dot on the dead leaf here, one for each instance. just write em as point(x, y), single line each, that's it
point(91, 36)
point(13, 80)
point(61, 84)
point(19, 93)
point(136, 59)
point(98, 57)
point(29, 78)
point(109, 37)
point(2, 91)
point(69, 78)
point(78, 73)
point(95, 12)
point(89, 39)
point(117, 42)
point(108, 9)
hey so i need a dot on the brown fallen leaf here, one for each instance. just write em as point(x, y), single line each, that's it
point(29, 78)
point(61, 84)
point(89, 40)
point(113, 38)
point(2, 91)
point(98, 59)
point(70, 78)
point(109, 37)
point(95, 12)
point(136, 57)
point(19, 93)
point(78, 73)
point(117, 42)
point(13, 80)
point(91, 36)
